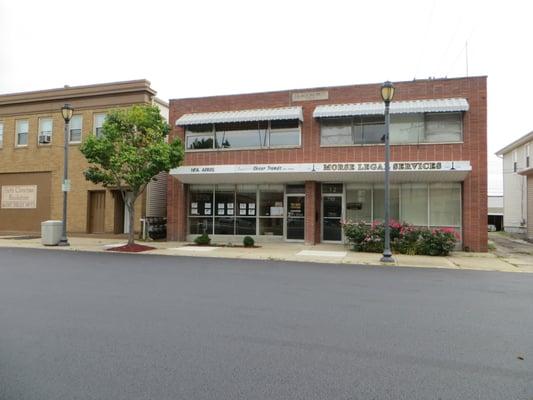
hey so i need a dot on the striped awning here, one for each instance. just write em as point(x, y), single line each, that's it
point(262, 114)
point(396, 107)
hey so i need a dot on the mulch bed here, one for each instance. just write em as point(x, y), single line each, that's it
point(223, 245)
point(134, 248)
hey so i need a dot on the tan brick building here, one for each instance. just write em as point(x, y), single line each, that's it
point(31, 158)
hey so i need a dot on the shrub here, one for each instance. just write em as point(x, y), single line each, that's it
point(203, 240)
point(248, 241)
point(405, 238)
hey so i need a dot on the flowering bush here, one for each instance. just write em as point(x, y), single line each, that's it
point(405, 238)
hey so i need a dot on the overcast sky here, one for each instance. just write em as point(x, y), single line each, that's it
point(197, 48)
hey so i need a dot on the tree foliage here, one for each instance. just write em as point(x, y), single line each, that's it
point(130, 151)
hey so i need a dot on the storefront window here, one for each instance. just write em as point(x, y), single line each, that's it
point(271, 210)
point(201, 209)
point(379, 203)
point(246, 210)
point(445, 204)
point(414, 203)
point(359, 202)
point(224, 210)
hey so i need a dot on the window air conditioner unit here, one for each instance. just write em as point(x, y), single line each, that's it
point(45, 138)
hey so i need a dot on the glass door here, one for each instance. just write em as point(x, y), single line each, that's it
point(331, 218)
point(295, 217)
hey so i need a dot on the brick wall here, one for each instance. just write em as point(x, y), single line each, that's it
point(473, 149)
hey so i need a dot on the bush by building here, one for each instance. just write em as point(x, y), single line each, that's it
point(405, 238)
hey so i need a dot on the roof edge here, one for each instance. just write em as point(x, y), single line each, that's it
point(513, 145)
point(77, 91)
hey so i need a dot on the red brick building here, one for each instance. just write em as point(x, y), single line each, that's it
point(292, 165)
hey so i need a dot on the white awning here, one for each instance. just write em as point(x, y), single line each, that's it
point(411, 171)
point(262, 114)
point(396, 107)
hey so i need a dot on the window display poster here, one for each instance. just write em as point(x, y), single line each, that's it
point(207, 205)
point(220, 211)
point(251, 211)
point(194, 211)
point(251, 206)
point(242, 206)
point(230, 211)
point(230, 205)
point(242, 211)
point(276, 211)
point(207, 211)
point(194, 205)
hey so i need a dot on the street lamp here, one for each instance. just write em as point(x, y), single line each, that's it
point(387, 93)
point(66, 111)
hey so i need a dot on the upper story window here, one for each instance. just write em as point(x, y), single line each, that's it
point(527, 155)
point(367, 129)
point(1, 134)
point(515, 161)
point(45, 130)
point(404, 129)
point(243, 135)
point(98, 123)
point(75, 129)
point(22, 128)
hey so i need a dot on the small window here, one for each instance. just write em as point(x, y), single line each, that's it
point(198, 137)
point(22, 132)
point(443, 127)
point(285, 133)
point(1, 134)
point(45, 130)
point(98, 123)
point(515, 166)
point(527, 161)
point(75, 129)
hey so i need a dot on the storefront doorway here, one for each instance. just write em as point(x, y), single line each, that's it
point(295, 217)
point(332, 212)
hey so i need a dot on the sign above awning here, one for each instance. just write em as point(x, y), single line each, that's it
point(396, 107)
point(262, 114)
point(412, 171)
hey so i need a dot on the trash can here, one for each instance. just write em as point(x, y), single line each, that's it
point(51, 232)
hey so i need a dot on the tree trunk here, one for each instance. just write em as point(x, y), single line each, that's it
point(130, 203)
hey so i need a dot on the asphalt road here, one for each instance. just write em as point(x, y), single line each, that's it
point(114, 326)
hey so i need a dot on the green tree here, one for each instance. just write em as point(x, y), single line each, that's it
point(129, 152)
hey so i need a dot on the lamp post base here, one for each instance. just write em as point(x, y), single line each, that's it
point(63, 242)
point(387, 258)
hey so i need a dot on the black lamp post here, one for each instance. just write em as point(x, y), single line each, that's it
point(387, 93)
point(66, 111)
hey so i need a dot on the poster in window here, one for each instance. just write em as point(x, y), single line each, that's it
point(230, 205)
point(221, 205)
point(242, 205)
point(194, 211)
point(251, 211)
point(230, 211)
point(207, 205)
point(207, 211)
point(276, 211)
point(220, 211)
point(251, 206)
point(194, 205)
point(242, 211)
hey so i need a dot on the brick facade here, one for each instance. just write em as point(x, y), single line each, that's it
point(473, 148)
point(48, 158)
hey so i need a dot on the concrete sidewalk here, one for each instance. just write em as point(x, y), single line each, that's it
point(323, 253)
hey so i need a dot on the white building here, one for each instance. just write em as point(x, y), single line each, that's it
point(518, 186)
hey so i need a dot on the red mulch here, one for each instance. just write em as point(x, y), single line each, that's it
point(134, 248)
